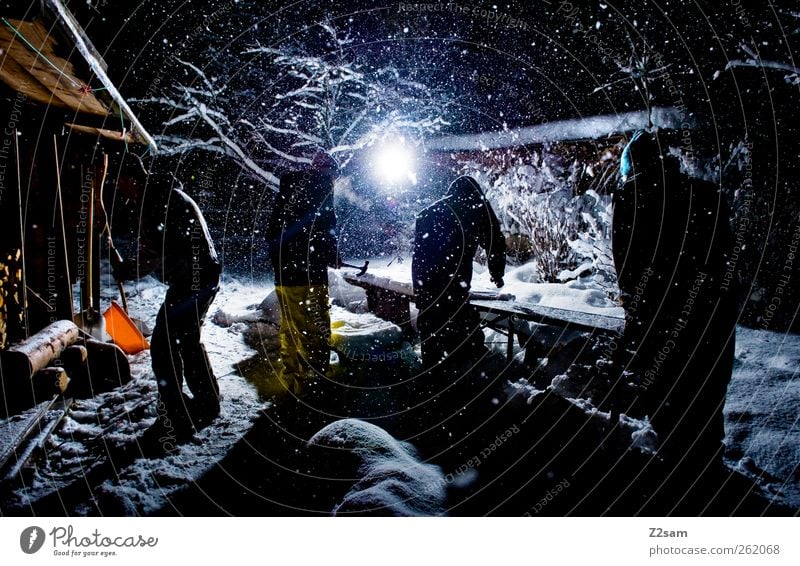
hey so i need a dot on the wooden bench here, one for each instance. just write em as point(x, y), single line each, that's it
point(390, 299)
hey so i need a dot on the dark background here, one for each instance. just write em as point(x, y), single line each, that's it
point(545, 66)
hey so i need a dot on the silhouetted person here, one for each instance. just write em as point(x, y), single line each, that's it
point(448, 233)
point(175, 245)
point(302, 244)
point(671, 244)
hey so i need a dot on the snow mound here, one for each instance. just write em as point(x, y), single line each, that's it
point(392, 480)
point(238, 308)
point(359, 335)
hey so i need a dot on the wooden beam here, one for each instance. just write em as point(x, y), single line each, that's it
point(113, 135)
point(76, 34)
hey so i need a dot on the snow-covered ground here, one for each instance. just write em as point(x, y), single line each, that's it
point(762, 416)
point(111, 421)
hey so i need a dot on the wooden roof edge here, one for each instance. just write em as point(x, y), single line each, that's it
point(75, 33)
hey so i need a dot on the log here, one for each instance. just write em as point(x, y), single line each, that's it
point(21, 361)
point(50, 381)
point(108, 368)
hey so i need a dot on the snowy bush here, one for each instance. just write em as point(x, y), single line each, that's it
point(554, 209)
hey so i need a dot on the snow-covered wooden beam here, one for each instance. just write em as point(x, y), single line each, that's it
point(76, 34)
point(590, 127)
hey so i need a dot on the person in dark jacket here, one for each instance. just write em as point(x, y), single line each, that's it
point(447, 235)
point(671, 244)
point(175, 245)
point(302, 244)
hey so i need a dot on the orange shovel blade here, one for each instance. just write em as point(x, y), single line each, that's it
point(123, 331)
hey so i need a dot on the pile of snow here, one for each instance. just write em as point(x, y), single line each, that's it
point(359, 336)
point(245, 303)
point(392, 479)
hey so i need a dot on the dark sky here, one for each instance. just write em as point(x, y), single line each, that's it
point(511, 63)
point(504, 64)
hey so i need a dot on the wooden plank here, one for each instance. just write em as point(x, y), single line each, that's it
point(20, 80)
point(62, 82)
point(490, 296)
point(114, 135)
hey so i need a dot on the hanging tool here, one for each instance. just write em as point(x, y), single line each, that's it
point(107, 231)
point(60, 198)
point(119, 315)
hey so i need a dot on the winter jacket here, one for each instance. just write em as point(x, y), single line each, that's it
point(302, 230)
point(448, 232)
point(176, 246)
point(666, 229)
point(671, 244)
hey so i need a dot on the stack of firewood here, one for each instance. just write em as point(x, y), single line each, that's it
point(11, 299)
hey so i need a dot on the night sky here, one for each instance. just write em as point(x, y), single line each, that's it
point(497, 66)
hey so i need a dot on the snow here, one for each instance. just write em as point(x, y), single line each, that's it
point(359, 335)
point(761, 416)
point(392, 479)
point(762, 420)
point(347, 296)
point(115, 421)
point(583, 294)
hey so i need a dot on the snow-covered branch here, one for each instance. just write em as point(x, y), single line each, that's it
point(318, 99)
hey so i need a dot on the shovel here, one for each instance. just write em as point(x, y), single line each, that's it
point(361, 269)
point(89, 319)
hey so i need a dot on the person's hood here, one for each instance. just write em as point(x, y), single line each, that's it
point(325, 162)
point(465, 188)
point(641, 155)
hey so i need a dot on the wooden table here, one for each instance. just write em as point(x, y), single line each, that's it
point(390, 299)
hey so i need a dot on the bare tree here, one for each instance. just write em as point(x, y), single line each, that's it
point(334, 101)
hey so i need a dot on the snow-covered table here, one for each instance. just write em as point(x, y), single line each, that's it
point(390, 299)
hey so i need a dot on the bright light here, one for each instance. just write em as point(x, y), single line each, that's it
point(393, 162)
